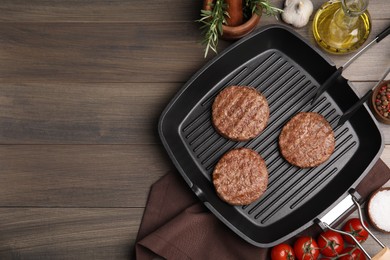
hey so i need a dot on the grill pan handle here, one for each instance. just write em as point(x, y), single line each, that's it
point(339, 210)
point(329, 82)
point(351, 111)
point(350, 201)
point(383, 34)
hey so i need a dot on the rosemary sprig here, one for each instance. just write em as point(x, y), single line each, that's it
point(212, 21)
point(266, 7)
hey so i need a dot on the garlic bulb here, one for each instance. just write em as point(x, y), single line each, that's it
point(297, 12)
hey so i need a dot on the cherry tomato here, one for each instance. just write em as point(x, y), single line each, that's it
point(352, 253)
point(306, 248)
point(355, 228)
point(330, 243)
point(282, 252)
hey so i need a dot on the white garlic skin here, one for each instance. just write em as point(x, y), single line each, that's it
point(297, 12)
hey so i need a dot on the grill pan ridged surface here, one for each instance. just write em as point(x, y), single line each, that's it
point(294, 196)
point(288, 91)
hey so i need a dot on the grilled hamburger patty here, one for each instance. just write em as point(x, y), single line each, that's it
point(240, 176)
point(240, 113)
point(307, 140)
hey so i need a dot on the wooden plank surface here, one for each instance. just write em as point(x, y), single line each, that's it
point(99, 52)
point(120, 11)
point(130, 52)
point(88, 113)
point(82, 85)
point(99, 10)
point(81, 175)
point(73, 233)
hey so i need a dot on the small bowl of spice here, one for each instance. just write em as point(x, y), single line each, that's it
point(378, 209)
point(381, 102)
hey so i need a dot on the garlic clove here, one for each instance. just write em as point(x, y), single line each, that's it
point(297, 12)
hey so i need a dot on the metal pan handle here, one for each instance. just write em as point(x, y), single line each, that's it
point(339, 210)
point(383, 34)
point(347, 203)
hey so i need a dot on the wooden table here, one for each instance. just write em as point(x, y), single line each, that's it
point(82, 84)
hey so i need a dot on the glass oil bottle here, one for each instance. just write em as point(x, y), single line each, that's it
point(342, 26)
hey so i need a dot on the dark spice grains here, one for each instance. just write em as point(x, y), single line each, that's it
point(382, 101)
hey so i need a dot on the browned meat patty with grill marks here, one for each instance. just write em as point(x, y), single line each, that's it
point(240, 113)
point(240, 176)
point(307, 140)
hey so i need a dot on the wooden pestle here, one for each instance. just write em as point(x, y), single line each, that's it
point(234, 9)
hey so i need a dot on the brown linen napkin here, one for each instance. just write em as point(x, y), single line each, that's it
point(176, 225)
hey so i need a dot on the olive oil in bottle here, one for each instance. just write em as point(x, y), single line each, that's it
point(342, 26)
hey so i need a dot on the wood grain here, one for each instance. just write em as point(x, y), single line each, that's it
point(119, 11)
point(98, 10)
point(129, 52)
point(79, 175)
point(36, 233)
point(93, 113)
point(99, 52)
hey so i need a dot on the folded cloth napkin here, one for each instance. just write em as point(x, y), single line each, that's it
point(176, 225)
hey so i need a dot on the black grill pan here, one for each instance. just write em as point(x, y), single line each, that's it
point(288, 71)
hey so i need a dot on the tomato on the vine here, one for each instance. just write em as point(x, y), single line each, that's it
point(330, 243)
point(282, 252)
point(352, 253)
point(355, 228)
point(306, 248)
